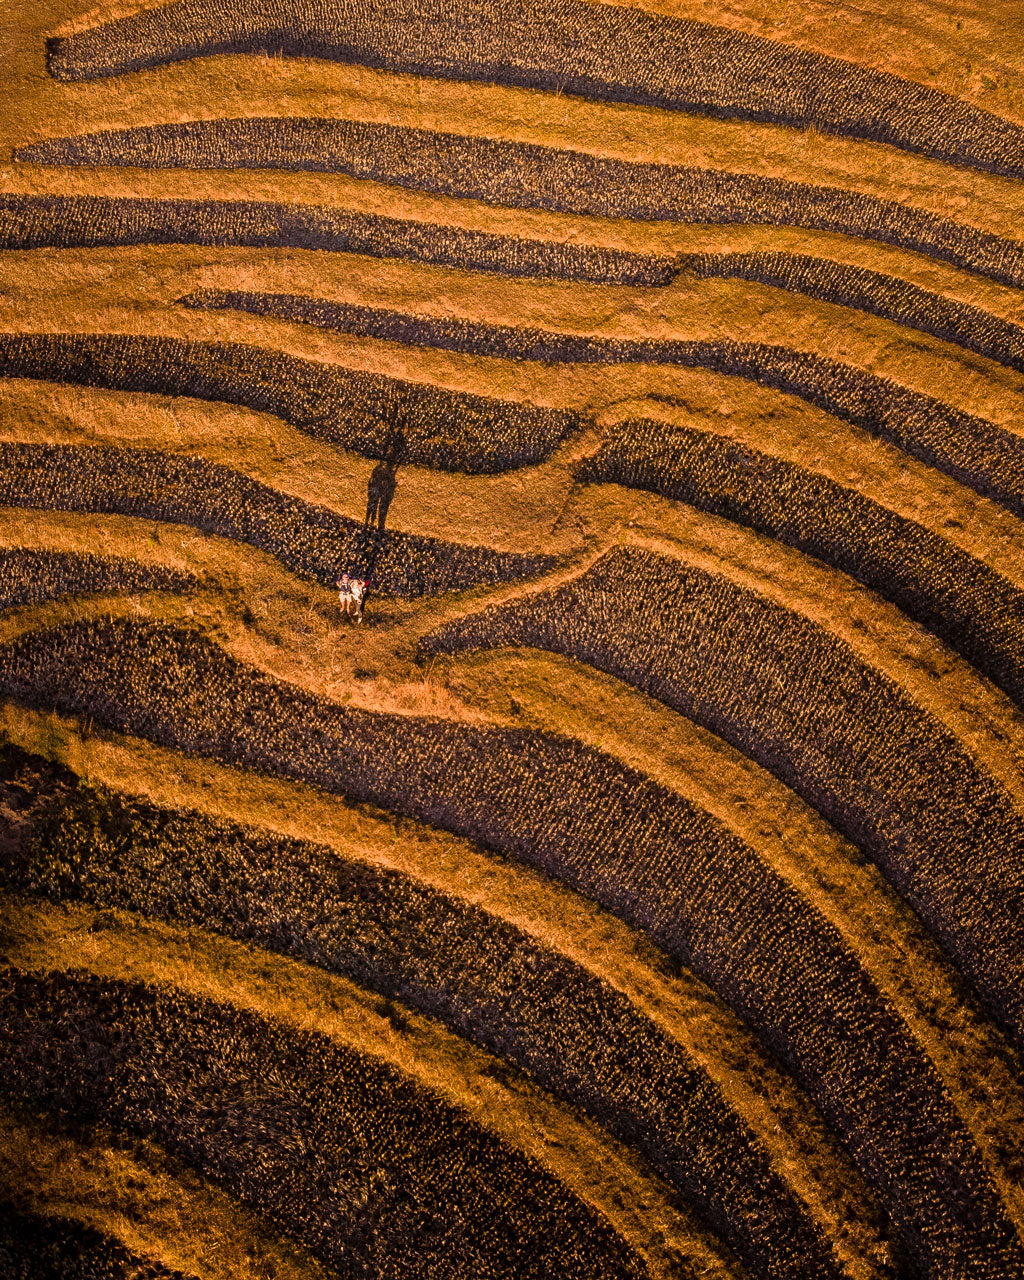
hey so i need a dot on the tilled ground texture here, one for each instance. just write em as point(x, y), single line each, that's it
point(632, 887)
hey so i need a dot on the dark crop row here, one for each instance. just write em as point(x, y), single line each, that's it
point(640, 850)
point(68, 222)
point(872, 291)
point(972, 607)
point(593, 51)
point(31, 577)
point(307, 539)
point(36, 1246)
point(451, 430)
point(575, 1034)
point(802, 703)
point(973, 450)
point(528, 176)
point(371, 1171)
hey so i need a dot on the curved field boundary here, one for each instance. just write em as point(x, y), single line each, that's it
point(640, 850)
point(31, 577)
point(971, 449)
point(447, 430)
point(525, 175)
point(37, 1246)
point(71, 222)
point(573, 1033)
point(306, 539)
point(351, 1156)
point(135, 1193)
point(972, 607)
point(875, 292)
point(590, 50)
point(802, 704)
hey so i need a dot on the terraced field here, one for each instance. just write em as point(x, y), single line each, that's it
point(635, 888)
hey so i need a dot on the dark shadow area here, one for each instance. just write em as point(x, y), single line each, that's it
point(380, 491)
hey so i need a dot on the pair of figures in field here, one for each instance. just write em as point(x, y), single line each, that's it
point(352, 595)
point(352, 589)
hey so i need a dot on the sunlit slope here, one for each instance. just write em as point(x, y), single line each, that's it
point(636, 890)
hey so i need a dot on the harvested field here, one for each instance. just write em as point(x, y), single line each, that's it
point(801, 703)
point(244, 1101)
point(135, 1195)
point(974, 609)
point(874, 291)
point(69, 222)
point(42, 1247)
point(595, 51)
point(360, 411)
point(526, 176)
point(491, 983)
point(979, 453)
point(29, 577)
point(632, 889)
point(306, 539)
point(636, 848)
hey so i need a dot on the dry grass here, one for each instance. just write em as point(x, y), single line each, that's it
point(286, 627)
point(134, 1192)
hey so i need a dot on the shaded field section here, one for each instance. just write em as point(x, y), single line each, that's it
point(972, 607)
point(134, 1192)
point(448, 430)
point(72, 222)
point(800, 702)
point(971, 449)
point(591, 50)
point(38, 1246)
point(875, 292)
point(641, 851)
point(370, 1170)
point(305, 538)
point(571, 1031)
point(526, 175)
point(32, 577)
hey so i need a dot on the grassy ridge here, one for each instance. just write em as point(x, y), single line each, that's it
point(877, 292)
point(639, 850)
point(973, 608)
point(595, 51)
point(36, 1246)
point(526, 175)
point(971, 449)
point(805, 706)
point(350, 1156)
point(307, 539)
point(449, 430)
point(68, 222)
point(572, 1032)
